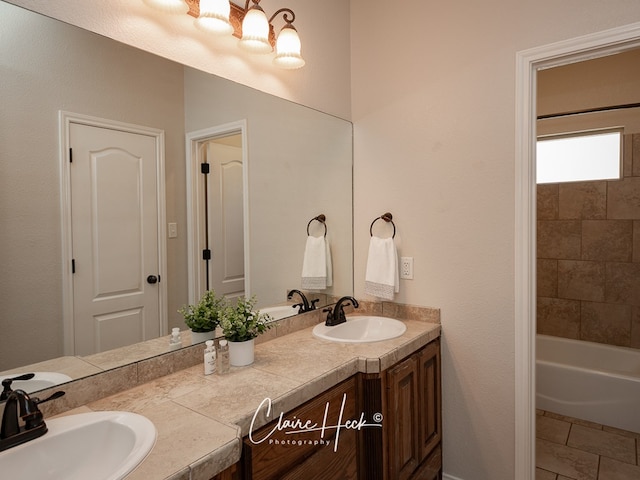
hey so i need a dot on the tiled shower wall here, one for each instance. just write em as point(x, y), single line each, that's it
point(588, 244)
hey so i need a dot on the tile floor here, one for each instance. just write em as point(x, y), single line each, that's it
point(572, 449)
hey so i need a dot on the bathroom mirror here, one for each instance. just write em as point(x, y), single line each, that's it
point(299, 165)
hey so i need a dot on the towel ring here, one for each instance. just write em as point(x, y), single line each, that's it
point(387, 217)
point(320, 218)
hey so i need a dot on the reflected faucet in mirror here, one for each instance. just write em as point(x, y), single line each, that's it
point(336, 316)
point(305, 306)
point(34, 426)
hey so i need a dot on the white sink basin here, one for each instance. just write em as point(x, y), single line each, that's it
point(361, 329)
point(94, 445)
point(280, 312)
point(40, 381)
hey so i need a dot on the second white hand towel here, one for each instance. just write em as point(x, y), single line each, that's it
point(314, 264)
point(382, 278)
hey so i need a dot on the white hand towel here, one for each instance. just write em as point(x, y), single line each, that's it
point(329, 265)
point(314, 264)
point(382, 278)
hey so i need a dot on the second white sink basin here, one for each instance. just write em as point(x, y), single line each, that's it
point(94, 445)
point(361, 329)
point(40, 381)
point(279, 312)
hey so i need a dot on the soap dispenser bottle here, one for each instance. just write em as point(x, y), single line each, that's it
point(175, 341)
point(209, 358)
point(223, 358)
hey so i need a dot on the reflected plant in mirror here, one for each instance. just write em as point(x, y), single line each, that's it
point(292, 153)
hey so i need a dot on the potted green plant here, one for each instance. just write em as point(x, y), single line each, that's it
point(241, 324)
point(203, 317)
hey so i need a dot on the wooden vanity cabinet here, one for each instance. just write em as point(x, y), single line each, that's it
point(408, 395)
point(269, 460)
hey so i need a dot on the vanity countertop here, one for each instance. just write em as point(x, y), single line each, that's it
point(201, 419)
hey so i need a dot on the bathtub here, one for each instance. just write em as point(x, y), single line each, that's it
point(590, 381)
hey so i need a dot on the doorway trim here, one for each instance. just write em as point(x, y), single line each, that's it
point(195, 194)
point(528, 62)
point(65, 119)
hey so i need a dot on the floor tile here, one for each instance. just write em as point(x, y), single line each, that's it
point(565, 460)
point(545, 475)
point(554, 430)
point(603, 443)
point(611, 469)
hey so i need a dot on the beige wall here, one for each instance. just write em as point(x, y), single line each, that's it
point(434, 112)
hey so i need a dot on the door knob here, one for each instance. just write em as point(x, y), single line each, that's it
point(153, 279)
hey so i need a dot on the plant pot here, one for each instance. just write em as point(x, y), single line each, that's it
point(241, 353)
point(199, 337)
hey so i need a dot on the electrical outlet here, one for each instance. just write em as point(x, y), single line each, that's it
point(406, 268)
point(173, 230)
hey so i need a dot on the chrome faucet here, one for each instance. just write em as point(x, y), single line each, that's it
point(11, 432)
point(336, 315)
point(305, 306)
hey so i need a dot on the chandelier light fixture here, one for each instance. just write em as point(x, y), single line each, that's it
point(250, 24)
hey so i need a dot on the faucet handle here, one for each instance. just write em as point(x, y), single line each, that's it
point(6, 384)
point(53, 396)
point(313, 303)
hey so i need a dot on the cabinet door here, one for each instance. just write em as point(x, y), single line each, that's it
point(402, 414)
point(430, 419)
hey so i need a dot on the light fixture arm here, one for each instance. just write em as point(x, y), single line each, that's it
point(285, 16)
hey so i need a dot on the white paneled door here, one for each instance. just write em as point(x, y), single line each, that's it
point(226, 220)
point(115, 241)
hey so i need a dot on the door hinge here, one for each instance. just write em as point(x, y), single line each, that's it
point(206, 254)
point(204, 168)
point(70, 155)
point(73, 265)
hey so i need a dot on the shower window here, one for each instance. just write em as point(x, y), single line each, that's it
point(576, 157)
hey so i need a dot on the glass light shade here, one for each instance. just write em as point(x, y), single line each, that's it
point(168, 6)
point(214, 17)
point(288, 49)
point(255, 31)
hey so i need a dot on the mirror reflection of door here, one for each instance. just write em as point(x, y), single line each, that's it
point(224, 215)
point(115, 244)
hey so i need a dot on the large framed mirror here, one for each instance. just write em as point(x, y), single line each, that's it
point(299, 166)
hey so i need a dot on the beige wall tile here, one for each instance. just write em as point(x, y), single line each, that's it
point(623, 199)
point(636, 155)
point(581, 280)
point(623, 283)
point(636, 240)
point(547, 202)
point(606, 323)
point(559, 239)
point(607, 240)
point(547, 278)
point(582, 200)
point(558, 317)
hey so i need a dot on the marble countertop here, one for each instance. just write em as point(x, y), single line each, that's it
point(201, 419)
